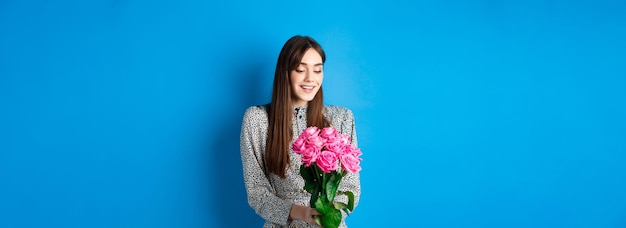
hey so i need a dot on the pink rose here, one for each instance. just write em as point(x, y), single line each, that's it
point(335, 147)
point(310, 155)
point(344, 139)
point(329, 133)
point(298, 145)
point(350, 162)
point(310, 131)
point(327, 161)
point(315, 142)
point(352, 149)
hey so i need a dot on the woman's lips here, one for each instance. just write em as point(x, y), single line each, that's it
point(307, 88)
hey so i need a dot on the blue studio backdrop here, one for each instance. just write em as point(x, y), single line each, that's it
point(127, 113)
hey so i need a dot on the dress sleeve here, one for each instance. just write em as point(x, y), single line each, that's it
point(261, 195)
point(351, 181)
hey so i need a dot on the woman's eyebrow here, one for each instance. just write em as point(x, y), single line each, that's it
point(318, 64)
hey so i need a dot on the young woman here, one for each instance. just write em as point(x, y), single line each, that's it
point(271, 169)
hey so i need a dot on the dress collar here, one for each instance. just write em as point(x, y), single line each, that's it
point(299, 108)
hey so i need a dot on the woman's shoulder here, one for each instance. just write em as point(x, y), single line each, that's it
point(334, 110)
point(257, 109)
point(256, 113)
point(337, 109)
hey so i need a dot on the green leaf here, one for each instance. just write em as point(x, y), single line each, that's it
point(314, 198)
point(310, 187)
point(347, 211)
point(318, 219)
point(307, 174)
point(340, 205)
point(350, 200)
point(332, 219)
point(331, 187)
point(322, 207)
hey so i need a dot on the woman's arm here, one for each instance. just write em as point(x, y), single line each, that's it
point(261, 195)
point(351, 181)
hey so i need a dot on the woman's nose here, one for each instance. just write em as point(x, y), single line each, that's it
point(307, 76)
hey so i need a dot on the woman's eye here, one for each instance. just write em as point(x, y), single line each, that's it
point(299, 71)
point(318, 71)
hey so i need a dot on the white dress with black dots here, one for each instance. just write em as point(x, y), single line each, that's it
point(271, 196)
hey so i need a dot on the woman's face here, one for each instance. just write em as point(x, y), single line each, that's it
point(307, 78)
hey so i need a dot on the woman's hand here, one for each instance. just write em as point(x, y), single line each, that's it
point(304, 213)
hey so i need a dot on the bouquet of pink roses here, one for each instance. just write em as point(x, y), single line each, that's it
point(327, 156)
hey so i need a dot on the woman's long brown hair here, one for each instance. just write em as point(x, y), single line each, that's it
point(280, 112)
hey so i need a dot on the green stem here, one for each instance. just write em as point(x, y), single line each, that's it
point(341, 175)
point(317, 176)
point(324, 181)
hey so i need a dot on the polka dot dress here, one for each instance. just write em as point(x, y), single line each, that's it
point(271, 196)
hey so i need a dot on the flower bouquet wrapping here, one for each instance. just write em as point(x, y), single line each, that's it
point(327, 157)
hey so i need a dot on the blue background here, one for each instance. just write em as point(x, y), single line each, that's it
point(127, 113)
